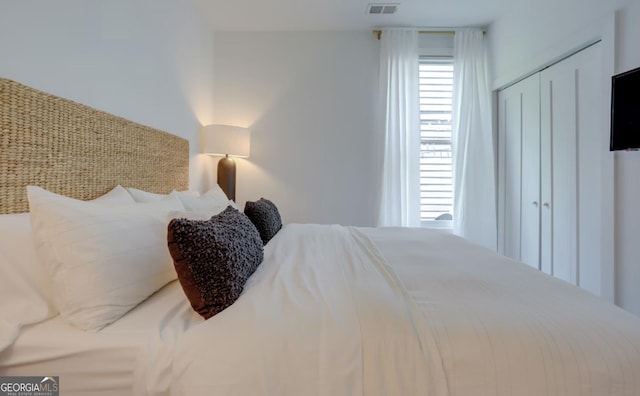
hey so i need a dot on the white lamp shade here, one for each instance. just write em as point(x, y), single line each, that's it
point(226, 140)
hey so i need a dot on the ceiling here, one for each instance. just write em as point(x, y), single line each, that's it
point(310, 15)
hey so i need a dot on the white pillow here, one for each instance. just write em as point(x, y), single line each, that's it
point(102, 261)
point(25, 290)
point(144, 196)
point(19, 255)
point(117, 196)
point(208, 204)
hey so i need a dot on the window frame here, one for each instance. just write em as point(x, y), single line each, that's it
point(441, 52)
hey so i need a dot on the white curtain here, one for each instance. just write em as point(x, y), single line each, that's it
point(474, 204)
point(400, 190)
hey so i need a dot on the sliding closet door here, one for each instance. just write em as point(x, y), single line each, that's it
point(550, 160)
point(559, 172)
point(571, 114)
point(591, 156)
point(509, 171)
point(530, 227)
point(519, 170)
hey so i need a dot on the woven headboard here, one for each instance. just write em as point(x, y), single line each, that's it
point(75, 150)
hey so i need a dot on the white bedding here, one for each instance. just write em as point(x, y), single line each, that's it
point(435, 315)
point(323, 315)
point(345, 311)
point(503, 328)
point(110, 362)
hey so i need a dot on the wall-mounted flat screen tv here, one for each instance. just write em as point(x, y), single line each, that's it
point(625, 111)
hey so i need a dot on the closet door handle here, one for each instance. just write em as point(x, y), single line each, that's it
point(535, 204)
point(546, 205)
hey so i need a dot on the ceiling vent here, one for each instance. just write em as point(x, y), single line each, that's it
point(382, 8)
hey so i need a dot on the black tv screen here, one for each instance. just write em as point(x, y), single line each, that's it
point(625, 111)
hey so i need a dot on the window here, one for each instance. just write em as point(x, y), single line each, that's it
point(436, 173)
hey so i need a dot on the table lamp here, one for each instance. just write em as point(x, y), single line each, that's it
point(228, 141)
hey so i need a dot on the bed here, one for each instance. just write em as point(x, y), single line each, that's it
point(329, 309)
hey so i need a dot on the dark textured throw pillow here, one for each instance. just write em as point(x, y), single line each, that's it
point(214, 258)
point(265, 216)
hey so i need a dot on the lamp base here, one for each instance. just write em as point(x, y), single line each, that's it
point(227, 177)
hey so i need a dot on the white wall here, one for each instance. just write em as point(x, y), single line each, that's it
point(149, 61)
point(309, 100)
point(530, 37)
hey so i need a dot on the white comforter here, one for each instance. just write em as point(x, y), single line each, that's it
point(343, 311)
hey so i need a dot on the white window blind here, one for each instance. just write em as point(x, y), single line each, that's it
point(436, 183)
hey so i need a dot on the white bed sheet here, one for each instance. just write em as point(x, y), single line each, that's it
point(464, 322)
point(505, 329)
point(322, 315)
point(112, 361)
point(384, 311)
